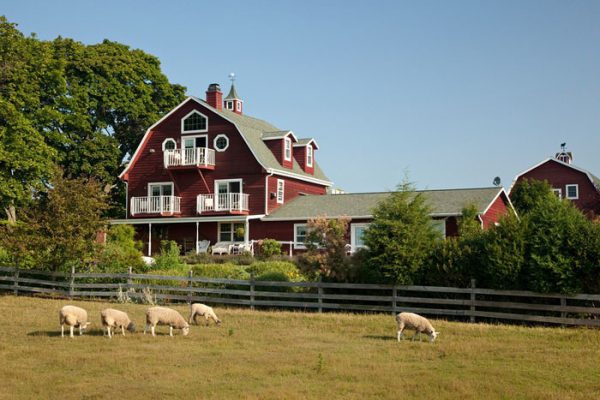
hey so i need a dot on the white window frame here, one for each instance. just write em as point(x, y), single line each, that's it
point(354, 247)
point(309, 156)
point(232, 235)
point(186, 137)
point(217, 181)
point(280, 191)
point(215, 142)
point(297, 243)
point(183, 131)
point(229, 105)
point(442, 223)
point(150, 184)
point(287, 149)
point(238, 106)
point(557, 192)
point(167, 141)
point(576, 186)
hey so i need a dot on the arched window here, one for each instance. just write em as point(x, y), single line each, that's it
point(194, 122)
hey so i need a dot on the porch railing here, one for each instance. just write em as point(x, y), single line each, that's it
point(197, 156)
point(155, 205)
point(237, 202)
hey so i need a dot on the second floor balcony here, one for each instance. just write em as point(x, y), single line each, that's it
point(234, 203)
point(159, 205)
point(196, 157)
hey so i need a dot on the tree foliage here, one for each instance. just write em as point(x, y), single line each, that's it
point(401, 237)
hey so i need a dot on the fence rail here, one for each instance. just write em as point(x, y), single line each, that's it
point(469, 304)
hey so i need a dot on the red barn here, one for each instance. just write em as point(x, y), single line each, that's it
point(206, 172)
point(567, 181)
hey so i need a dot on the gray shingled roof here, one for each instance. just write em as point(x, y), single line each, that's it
point(232, 94)
point(442, 202)
point(275, 135)
point(252, 129)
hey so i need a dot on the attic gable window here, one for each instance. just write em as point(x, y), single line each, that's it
point(280, 190)
point(309, 156)
point(572, 192)
point(287, 149)
point(194, 122)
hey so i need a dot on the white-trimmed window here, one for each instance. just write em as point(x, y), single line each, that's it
point(357, 232)
point(160, 189)
point(280, 190)
point(287, 149)
point(221, 142)
point(572, 192)
point(309, 156)
point(231, 231)
point(557, 192)
point(238, 106)
point(191, 142)
point(440, 226)
point(229, 105)
point(300, 233)
point(194, 122)
point(169, 144)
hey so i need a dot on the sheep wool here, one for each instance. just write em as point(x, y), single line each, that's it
point(202, 310)
point(73, 317)
point(115, 319)
point(416, 322)
point(165, 316)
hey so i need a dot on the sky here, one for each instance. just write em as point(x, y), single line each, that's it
point(448, 94)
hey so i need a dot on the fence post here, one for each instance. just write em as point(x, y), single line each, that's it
point(252, 291)
point(320, 293)
point(472, 313)
point(563, 303)
point(394, 295)
point(189, 296)
point(16, 280)
point(71, 283)
point(129, 280)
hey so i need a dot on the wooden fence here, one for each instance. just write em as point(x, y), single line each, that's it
point(468, 304)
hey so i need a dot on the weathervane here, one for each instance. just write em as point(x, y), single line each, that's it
point(562, 146)
point(232, 77)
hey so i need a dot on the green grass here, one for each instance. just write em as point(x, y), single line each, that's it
point(289, 355)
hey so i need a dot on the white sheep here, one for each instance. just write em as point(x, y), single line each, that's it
point(112, 318)
point(165, 316)
point(202, 310)
point(74, 317)
point(416, 322)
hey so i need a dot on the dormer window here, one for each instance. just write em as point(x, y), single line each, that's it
point(287, 149)
point(309, 156)
point(194, 122)
point(229, 105)
point(238, 106)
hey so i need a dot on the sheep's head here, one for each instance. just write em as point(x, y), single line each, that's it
point(433, 336)
point(185, 330)
point(131, 327)
point(218, 322)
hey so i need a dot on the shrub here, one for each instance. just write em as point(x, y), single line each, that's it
point(286, 269)
point(121, 251)
point(223, 271)
point(168, 257)
point(270, 248)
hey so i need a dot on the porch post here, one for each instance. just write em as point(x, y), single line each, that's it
point(246, 230)
point(150, 240)
point(197, 250)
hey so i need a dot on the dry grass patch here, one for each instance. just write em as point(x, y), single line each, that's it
point(291, 355)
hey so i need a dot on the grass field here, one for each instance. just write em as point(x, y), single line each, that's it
point(287, 355)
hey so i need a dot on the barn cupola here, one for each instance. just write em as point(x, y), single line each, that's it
point(232, 101)
point(214, 96)
point(564, 156)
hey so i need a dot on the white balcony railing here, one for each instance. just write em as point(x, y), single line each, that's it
point(193, 157)
point(155, 205)
point(237, 202)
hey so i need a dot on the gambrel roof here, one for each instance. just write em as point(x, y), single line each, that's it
point(443, 203)
point(593, 178)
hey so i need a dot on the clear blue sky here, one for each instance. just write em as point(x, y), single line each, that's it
point(452, 92)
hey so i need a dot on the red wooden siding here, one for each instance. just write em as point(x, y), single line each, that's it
point(292, 189)
point(559, 176)
point(498, 208)
point(300, 156)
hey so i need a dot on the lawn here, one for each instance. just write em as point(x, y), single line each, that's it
point(289, 355)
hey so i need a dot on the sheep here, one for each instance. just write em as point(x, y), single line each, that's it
point(207, 312)
point(73, 316)
point(112, 318)
point(165, 316)
point(416, 322)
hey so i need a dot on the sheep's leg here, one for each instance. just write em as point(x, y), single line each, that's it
point(145, 328)
point(206, 320)
point(123, 330)
point(170, 331)
point(153, 333)
point(71, 331)
point(109, 333)
point(400, 334)
point(62, 330)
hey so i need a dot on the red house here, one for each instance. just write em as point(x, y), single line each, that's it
point(567, 181)
point(206, 172)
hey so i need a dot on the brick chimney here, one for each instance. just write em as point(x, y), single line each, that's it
point(214, 96)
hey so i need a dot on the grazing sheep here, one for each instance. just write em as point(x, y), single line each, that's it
point(416, 322)
point(202, 310)
point(165, 316)
point(73, 317)
point(112, 318)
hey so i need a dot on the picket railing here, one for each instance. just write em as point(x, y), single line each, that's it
point(469, 304)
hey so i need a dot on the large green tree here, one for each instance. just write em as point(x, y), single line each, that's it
point(401, 236)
